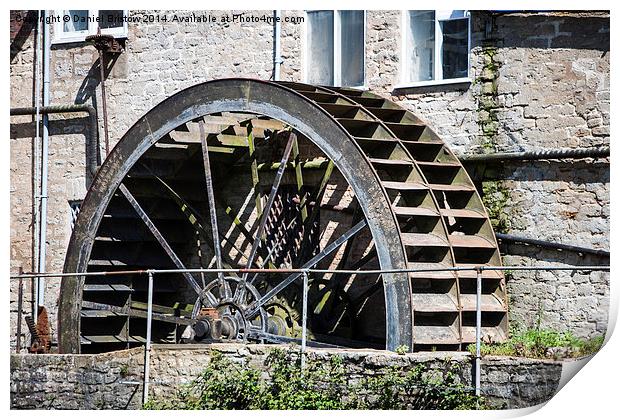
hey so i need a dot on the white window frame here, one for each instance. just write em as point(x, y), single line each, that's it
point(337, 50)
point(404, 83)
point(62, 37)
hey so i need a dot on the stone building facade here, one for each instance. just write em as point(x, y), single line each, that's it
point(537, 81)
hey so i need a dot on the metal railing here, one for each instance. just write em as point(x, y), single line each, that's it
point(305, 276)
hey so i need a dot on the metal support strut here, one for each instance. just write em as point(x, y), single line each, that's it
point(147, 347)
point(304, 318)
point(478, 325)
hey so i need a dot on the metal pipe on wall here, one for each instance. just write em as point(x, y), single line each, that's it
point(277, 57)
point(503, 237)
point(36, 157)
point(590, 152)
point(40, 292)
point(92, 144)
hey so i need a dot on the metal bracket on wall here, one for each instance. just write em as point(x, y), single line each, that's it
point(104, 44)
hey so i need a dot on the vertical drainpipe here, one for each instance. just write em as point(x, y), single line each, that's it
point(44, 164)
point(277, 58)
point(36, 182)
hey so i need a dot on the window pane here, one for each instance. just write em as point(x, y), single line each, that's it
point(421, 45)
point(110, 19)
point(454, 49)
point(352, 47)
point(449, 14)
point(321, 47)
point(78, 21)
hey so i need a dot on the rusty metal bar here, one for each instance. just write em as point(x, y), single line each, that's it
point(104, 104)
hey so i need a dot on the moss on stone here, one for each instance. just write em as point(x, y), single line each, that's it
point(488, 101)
point(495, 197)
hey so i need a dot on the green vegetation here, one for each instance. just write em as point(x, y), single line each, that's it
point(488, 102)
point(124, 371)
point(319, 386)
point(540, 343)
point(495, 197)
point(402, 349)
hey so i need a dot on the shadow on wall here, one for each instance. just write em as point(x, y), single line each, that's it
point(91, 82)
point(553, 255)
point(58, 127)
point(461, 87)
point(574, 171)
point(552, 31)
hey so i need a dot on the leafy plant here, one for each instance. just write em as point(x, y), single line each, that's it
point(402, 349)
point(319, 386)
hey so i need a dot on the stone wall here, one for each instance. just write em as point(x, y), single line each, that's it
point(539, 81)
point(114, 380)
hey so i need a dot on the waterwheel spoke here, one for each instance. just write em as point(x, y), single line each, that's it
point(254, 169)
point(271, 252)
point(193, 216)
point(311, 263)
point(270, 201)
point(303, 207)
point(226, 290)
point(299, 177)
point(309, 222)
point(338, 278)
point(162, 241)
point(217, 250)
point(234, 217)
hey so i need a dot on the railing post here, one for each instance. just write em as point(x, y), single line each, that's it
point(20, 297)
point(478, 325)
point(147, 347)
point(304, 318)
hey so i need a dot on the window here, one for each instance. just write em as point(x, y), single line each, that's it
point(436, 47)
point(76, 25)
point(335, 47)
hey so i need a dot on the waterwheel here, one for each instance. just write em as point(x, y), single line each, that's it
point(240, 173)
